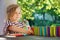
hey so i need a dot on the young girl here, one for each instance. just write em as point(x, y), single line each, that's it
point(13, 26)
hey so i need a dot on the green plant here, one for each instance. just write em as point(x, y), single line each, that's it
point(30, 7)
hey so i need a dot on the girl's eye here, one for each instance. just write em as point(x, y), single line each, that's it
point(19, 13)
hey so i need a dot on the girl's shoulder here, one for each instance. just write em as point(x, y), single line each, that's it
point(25, 22)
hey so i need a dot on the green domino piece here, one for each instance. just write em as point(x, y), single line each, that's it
point(40, 30)
point(44, 31)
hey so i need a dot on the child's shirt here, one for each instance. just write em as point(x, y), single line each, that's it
point(24, 25)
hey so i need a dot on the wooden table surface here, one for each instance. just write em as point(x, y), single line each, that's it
point(30, 38)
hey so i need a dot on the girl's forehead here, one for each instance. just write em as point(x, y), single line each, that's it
point(18, 10)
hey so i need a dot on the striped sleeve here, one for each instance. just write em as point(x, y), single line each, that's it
point(5, 27)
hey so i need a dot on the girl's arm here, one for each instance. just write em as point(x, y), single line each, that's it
point(18, 29)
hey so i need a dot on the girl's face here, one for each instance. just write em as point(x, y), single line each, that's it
point(17, 15)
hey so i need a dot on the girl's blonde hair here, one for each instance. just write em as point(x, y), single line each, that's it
point(10, 9)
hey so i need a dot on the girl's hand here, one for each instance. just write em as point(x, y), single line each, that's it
point(29, 31)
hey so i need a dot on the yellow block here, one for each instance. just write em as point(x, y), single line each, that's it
point(36, 30)
point(54, 31)
point(51, 31)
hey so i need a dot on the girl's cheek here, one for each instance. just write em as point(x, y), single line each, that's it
point(18, 16)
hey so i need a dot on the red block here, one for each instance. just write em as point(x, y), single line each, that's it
point(59, 31)
point(32, 29)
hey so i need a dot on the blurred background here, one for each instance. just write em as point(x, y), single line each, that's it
point(41, 12)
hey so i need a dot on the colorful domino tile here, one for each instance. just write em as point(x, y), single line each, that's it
point(40, 31)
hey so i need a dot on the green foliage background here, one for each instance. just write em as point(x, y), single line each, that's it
point(28, 7)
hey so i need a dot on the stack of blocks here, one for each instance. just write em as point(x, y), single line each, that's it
point(46, 31)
